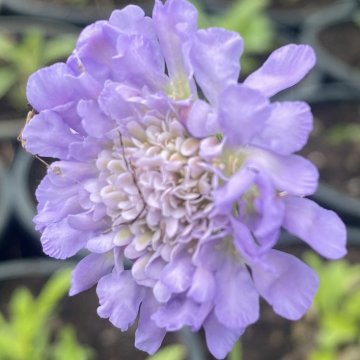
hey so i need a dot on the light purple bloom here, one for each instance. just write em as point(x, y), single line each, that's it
point(193, 189)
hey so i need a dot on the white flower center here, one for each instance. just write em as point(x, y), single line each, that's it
point(154, 186)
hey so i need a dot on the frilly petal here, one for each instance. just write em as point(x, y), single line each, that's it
point(60, 241)
point(50, 87)
point(236, 300)
point(46, 134)
point(148, 336)
point(215, 58)
point(202, 120)
point(322, 229)
point(286, 283)
point(94, 121)
point(287, 129)
point(119, 298)
point(139, 62)
point(220, 339)
point(293, 174)
point(176, 24)
point(180, 311)
point(89, 271)
point(284, 68)
point(242, 113)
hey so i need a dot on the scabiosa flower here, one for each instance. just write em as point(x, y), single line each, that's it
point(167, 161)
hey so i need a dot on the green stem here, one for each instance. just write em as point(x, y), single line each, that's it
point(236, 352)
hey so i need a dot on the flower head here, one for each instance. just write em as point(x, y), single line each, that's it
point(167, 161)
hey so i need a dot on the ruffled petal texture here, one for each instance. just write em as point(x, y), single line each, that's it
point(322, 229)
point(176, 179)
point(286, 283)
point(284, 68)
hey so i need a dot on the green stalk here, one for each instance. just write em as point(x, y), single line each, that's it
point(236, 352)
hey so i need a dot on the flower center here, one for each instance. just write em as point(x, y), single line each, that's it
point(154, 186)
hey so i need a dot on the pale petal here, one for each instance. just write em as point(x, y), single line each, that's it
point(242, 113)
point(203, 286)
point(47, 135)
point(179, 312)
point(287, 129)
point(322, 229)
point(201, 120)
point(220, 339)
point(50, 87)
point(119, 298)
point(236, 300)
point(284, 68)
point(215, 57)
point(286, 283)
point(293, 174)
point(148, 336)
point(89, 271)
point(60, 240)
point(175, 24)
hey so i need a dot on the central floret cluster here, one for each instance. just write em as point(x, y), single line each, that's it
point(167, 162)
point(155, 185)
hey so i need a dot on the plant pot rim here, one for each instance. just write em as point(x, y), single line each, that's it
point(327, 62)
point(65, 13)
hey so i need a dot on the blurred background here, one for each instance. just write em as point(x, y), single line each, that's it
point(37, 319)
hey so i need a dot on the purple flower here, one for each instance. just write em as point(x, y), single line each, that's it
point(166, 160)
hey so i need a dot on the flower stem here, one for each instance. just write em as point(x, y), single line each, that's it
point(236, 352)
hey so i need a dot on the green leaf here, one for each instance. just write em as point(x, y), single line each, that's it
point(344, 133)
point(55, 289)
point(323, 354)
point(173, 352)
point(7, 80)
point(351, 306)
point(22, 308)
point(67, 347)
point(9, 345)
point(336, 330)
point(7, 45)
point(329, 297)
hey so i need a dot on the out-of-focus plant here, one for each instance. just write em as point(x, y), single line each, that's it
point(171, 352)
point(333, 322)
point(344, 133)
point(22, 55)
point(29, 333)
point(249, 19)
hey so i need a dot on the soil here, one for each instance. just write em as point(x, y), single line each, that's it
point(343, 41)
point(80, 311)
point(338, 161)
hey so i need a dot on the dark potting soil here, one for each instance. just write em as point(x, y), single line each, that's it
point(334, 146)
point(79, 311)
point(343, 41)
point(299, 4)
